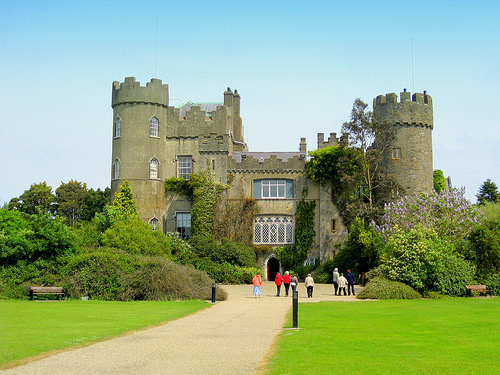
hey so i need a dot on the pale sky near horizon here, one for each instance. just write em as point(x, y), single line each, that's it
point(298, 66)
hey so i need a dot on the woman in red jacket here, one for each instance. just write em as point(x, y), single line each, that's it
point(278, 280)
point(286, 282)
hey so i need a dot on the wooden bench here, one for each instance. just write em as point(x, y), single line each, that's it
point(57, 290)
point(477, 288)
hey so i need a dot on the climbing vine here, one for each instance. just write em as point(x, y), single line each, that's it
point(234, 220)
point(295, 255)
point(204, 192)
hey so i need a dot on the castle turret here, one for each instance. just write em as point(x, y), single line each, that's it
point(409, 158)
point(139, 148)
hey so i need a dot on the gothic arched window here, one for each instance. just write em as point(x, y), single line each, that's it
point(153, 168)
point(153, 223)
point(153, 127)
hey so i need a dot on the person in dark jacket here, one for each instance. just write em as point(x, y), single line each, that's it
point(350, 283)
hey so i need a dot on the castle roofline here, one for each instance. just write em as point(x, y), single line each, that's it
point(238, 156)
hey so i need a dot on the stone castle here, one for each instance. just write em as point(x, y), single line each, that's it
point(153, 141)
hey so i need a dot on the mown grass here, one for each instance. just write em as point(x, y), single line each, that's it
point(31, 328)
point(446, 336)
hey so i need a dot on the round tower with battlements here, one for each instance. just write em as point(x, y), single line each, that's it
point(139, 147)
point(409, 158)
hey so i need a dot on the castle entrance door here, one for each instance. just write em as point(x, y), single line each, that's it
point(273, 267)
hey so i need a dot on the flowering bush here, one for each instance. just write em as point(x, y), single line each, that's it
point(449, 213)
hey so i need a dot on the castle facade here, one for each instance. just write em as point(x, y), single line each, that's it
point(153, 141)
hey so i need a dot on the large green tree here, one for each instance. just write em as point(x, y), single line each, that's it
point(372, 138)
point(38, 198)
point(488, 192)
point(70, 198)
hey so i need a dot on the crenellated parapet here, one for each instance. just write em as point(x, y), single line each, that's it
point(267, 162)
point(130, 91)
point(196, 121)
point(213, 143)
point(409, 110)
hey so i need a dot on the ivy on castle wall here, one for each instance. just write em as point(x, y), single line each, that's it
point(234, 220)
point(295, 255)
point(204, 192)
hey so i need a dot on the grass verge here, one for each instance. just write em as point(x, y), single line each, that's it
point(31, 328)
point(446, 336)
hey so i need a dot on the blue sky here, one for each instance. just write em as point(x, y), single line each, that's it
point(297, 65)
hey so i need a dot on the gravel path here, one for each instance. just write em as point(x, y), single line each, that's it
point(230, 337)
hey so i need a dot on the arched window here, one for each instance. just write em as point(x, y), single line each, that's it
point(153, 168)
point(153, 127)
point(118, 127)
point(116, 172)
point(154, 223)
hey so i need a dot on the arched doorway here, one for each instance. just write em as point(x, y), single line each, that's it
point(273, 267)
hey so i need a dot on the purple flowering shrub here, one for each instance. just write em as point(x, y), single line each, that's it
point(449, 213)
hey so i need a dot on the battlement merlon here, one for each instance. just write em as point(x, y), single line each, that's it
point(410, 109)
point(405, 97)
point(131, 91)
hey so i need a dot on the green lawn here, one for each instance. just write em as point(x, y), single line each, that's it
point(446, 336)
point(30, 328)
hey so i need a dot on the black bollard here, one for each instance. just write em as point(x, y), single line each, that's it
point(295, 308)
point(214, 286)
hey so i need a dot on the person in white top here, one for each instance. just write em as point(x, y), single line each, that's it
point(309, 282)
point(342, 284)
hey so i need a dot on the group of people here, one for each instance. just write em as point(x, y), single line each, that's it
point(340, 282)
point(287, 280)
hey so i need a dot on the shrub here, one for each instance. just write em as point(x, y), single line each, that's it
point(99, 274)
point(382, 288)
point(324, 273)
point(108, 274)
point(135, 237)
point(452, 275)
point(493, 284)
point(235, 254)
point(159, 278)
point(423, 261)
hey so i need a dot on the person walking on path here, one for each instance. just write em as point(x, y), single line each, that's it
point(342, 283)
point(286, 282)
point(278, 280)
point(336, 276)
point(309, 281)
point(257, 283)
point(294, 282)
point(350, 283)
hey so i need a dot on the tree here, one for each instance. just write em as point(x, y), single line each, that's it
point(362, 250)
point(70, 198)
point(124, 201)
point(372, 138)
point(488, 192)
point(439, 180)
point(38, 197)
